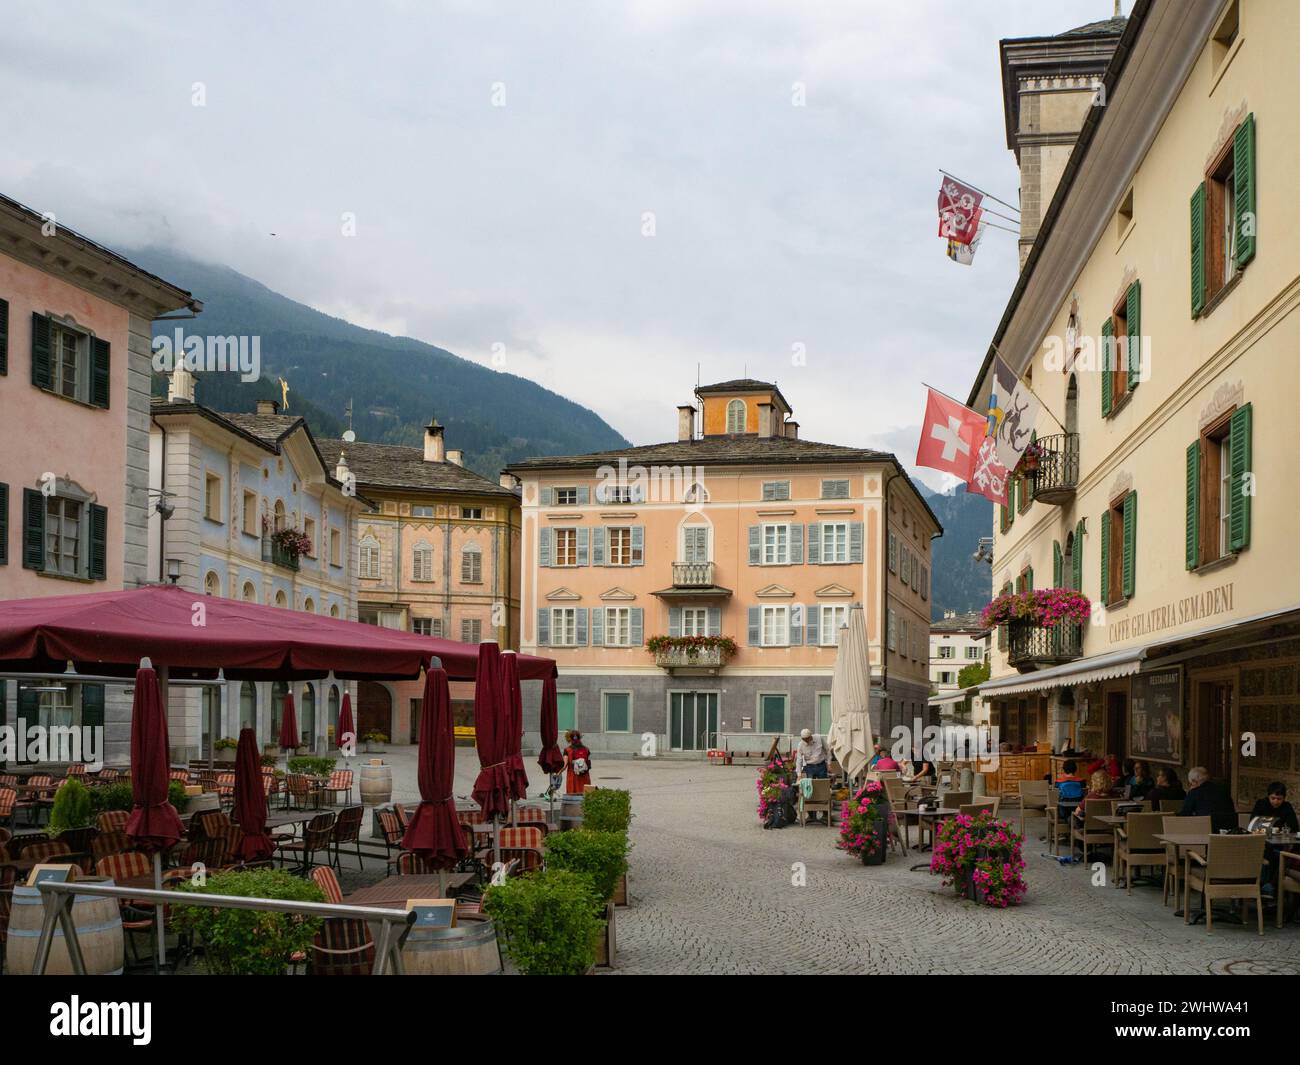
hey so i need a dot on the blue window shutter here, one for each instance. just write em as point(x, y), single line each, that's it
point(638, 545)
point(548, 497)
point(580, 626)
point(674, 621)
point(756, 545)
point(584, 535)
point(715, 621)
point(855, 541)
point(543, 627)
point(636, 625)
point(755, 626)
point(814, 543)
point(598, 546)
point(812, 629)
point(601, 493)
point(544, 548)
point(598, 626)
point(796, 544)
point(584, 495)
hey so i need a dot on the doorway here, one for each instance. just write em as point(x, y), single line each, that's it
point(693, 721)
point(1214, 730)
point(1116, 724)
point(374, 708)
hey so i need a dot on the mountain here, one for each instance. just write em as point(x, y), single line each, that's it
point(395, 384)
point(957, 581)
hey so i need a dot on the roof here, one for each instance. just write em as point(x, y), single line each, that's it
point(394, 466)
point(742, 384)
point(1107, 27)
point(968, 622)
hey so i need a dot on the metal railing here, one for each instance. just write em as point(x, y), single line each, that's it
point(1057, 475)
point(283, 557)
point(57, 897)
point(692, 574)
point(1028, 642)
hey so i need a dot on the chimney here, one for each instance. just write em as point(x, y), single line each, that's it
point(268, 406)
point(792, 430)
point(685, 422)
point(341, 471)
point(435, 447)
point(180, 386)
point(456, 457)
point(507, 480)
point(765, 419)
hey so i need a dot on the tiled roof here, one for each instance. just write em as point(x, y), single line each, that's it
point(968, 622)
point(269, 428)
point(394, 466)
point(1109, 27)
point(730, 450)
point(740, 384)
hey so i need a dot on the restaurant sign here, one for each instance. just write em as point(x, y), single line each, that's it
point(1156, 715)
point(1173, 614)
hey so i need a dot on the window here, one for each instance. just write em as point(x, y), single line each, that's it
point(776, 545)
point(1225, 34)
point(624, 550)
point(618, 493)
point(249, 593)
point(838, 489)
point(59, 705)
point(250, 514)
point(772, 713)
point(211, 584)
point(695, 543)
point(1121, 347)
point(618, 626)
point(370, 559)
point(334, 612)
point(566, 547)
point(776, 490)
point(422, 562)
point(566, 497)
point(309, 605)
point(471, 565)
point(473, 513)
point(945, 650)
point(974, 653)
point(422, 626)
point(1119, 549)
point(309, 531)
point(212, 497)
point(776, 626)
point(823, 713)
point(69, 375)
point(736, 416)
point(65, 537)
point(833, 618)
point(616, 709)
point(566, 710)
point(893, 553)
point(1223, 216)
point(1124, 216)
point(835, 541)
point(471, 630)
point(281, 600)
point(946, 677)
point(695, 621)
point(336, 548)
point(1219, 489)
point(564, 627)
point(422, 512)
point(278, 515)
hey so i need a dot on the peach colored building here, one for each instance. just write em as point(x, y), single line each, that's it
point(75, 325)
point(738, 528)
point(438, 555)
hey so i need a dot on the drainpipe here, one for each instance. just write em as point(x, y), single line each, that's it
point(162, 521)
point(884, 595)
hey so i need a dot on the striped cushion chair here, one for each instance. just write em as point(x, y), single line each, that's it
point(183, 775)
point(392, 830)
point(8, 800)
point(339, 783)
point(113, 820)
point(226, 788)
point(8, 780)
point(215, 823)
point(137, 917)
point(43, 852)
point(411, 864)
point(77, 769)
point(524, 844)
point(403, 818)
point(107, 843)
point(297, 790)
point(342, 947)
point(531, 815)
point(229, 841)
point(325, 879)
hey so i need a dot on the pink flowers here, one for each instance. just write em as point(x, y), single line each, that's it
point(1047, 607)
point(860, 820)
point(771, 779)
point(982, 858)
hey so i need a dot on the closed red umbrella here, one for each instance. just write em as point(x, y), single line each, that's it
point(250, 800)
point(514, 700)
point(434, 830)
point(288, 725)
point(154, 824)
point(492, 789)
point(347, 731)
point(551, 759)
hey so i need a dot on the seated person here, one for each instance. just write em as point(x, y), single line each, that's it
point(1274, 805)
point(923, 771)
point(1110, 764)
point(879, 754)
point(1208, 797)
point(1099, 787)
point(885, 763)
point(1167, 786)
point(1070, 787)
point(1139, 780)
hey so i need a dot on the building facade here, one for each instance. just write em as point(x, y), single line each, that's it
point(438, 555)
point(1157, 317)
point(234, 481)
point(75, 325)
point(738, 529)
point(956, 641)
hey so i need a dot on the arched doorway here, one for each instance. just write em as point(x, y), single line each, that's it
point(332, 716)
point(278, 691)
point(307, 716)
point(374, 709)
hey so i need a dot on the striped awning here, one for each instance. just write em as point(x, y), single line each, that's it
point(1085, 671)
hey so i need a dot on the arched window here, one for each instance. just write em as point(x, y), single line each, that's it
point(280, 599)
point(307, 716)
point(369, 558)
point(250, 592)
point(736, 416)
point(334, 610)
point(1067, 563)
point(211, 584)
point(471, 564)
point(279, 515)
point(422, 564)
point(309, 605)
point(248, 705)
point(695, 493)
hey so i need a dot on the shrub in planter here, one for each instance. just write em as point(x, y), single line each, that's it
point(250, 942)
point(547, 921)
point(316, 767)
point(607, 810)
point(771, 779)
point(176, 796)
point(111, 797)
point(981, 857)
point(269, 759)
point(864, 823)
point(601, 857)
point(72, 808)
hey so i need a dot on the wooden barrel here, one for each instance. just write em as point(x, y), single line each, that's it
point(376, 784)
point(570, 812)
point(469, 949)
point(99, 932)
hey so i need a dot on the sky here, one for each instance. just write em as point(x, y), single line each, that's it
point(613, 198)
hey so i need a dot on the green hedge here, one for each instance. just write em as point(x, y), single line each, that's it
point(607, 810)
point(547, 922)
point(600, 857)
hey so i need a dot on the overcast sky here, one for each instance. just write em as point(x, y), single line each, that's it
point(501, 159)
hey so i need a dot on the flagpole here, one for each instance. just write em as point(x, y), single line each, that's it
point(980, 190)
point(946, 396)
point(1029, 388)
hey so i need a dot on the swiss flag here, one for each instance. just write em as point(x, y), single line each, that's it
point(951, 435)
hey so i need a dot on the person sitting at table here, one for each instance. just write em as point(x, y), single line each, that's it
point(1110, 764)
point(1206, 797)
point(923, 771)
point(885, 762)
point(1274, 805)
point(1139, 780)
point(1099, 787)
point(1070, 788)
point(1167, 786)
point(879, 754)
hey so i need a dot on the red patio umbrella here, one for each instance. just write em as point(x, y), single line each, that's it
point(289, 725)
point(434, 830)
point(250, 800)
point(347, 730)
point(551, 759)
point(514, 724)
point(492, 789)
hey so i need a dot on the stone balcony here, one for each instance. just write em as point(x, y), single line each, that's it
point(692, 574)
point(704, 660)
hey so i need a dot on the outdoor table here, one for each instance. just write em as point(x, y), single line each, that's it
point(1183, 842)
point(392, 892)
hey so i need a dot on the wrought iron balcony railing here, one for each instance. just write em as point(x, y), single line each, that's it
point(1057, 474)
point(1030, 645)
point(283, 557)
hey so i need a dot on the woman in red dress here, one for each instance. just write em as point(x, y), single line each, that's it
point(576, 757)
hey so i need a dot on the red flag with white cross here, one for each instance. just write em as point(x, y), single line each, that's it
point(951, 434)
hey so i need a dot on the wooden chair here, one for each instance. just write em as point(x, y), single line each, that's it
point(392, 830)
point(180, 775)
point(315, 840)
point(1172, 823)
point(106, 843)
point(347, 829)
point(1230, 869)
point(1170, 806)
point(819, 802)
point(402, 818)
point(1033, 796)
point(226, 789)
point(36, 801)
point(1092, 831)
point(342, 947)
point(324, 878)
point(215, 823)
point(531, 815)
point(1136, 846)
point(1288, 881)
point(408, 863)
point(524, 844)
point(113, 820)
point(339, 783)
point(297, 791)
point(137, 917)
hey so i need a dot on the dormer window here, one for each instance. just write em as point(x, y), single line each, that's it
point(736, 416)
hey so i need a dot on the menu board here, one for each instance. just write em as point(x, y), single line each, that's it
point(1156, 716)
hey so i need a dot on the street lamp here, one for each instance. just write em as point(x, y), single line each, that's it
point(173, 570)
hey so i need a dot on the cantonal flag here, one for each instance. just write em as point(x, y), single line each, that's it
point(988, 476)
point(959, 207)
point(951, 434)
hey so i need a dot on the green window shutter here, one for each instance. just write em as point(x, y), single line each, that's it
point(1056, 564)
point(1198, 249)
point(1107, 361)
point(29, 715)
point(4, 528)
point(99, 379)
point(92, 706)
point(1193, 549)
point(1077, 557)
point(1243, 175)
point(98, 542)
point(1003, 523)
point(1105, 556)
point(1239, 447)
point(1029, 579)
point(4, 337)
point(33, 529)
point(1129, 561)
point(1134, 326)
point(41, 351)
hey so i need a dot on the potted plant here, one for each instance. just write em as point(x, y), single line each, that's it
point(547, 922)
point(224, 749)
point(1047, 607)
point(981, 857)
point(312, 766)
point(864, 824)
point(106, 797)
point(176, 796)
point(774, 776)
point(609, 810)
point(691, 646)
point(250, 942)
point(375, 741)
point(72, 816)
point(293, 542)
point(271, 751)
point(1030, 458)
point(600, 857)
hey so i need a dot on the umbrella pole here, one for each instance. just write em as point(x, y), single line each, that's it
point(158, 910)
point(496, 842)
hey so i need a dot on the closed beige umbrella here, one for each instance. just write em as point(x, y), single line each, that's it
point(850, 734)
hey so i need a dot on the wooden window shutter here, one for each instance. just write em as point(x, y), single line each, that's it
point(99, 375)
point(1243, 174)
point(1003, 522)
point(4, 534)
point(1239, 447)
point(1107, 363)
point(41, 351)
point(1198, 249)
point(544, 547)
point(756, 545)
point(1134, 328)
point(1129, 561)
point(598, 546)
point(1077, 557)
point(855, 541)
point(547, 497)
point(1029, 579)
point(715, 621)
point(33, 529)
point(814, 540)
point(1192, 557)
point(1105, 556)
point(1056, 564)
point(98, 542)
point(674, 621)
point(4, 337)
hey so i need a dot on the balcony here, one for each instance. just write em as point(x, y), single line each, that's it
point(692, 574)
point(1031, 646)
point(705, 660)
point(282, 557)
point(1057, 474)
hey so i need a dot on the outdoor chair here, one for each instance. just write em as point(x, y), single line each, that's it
point(181, 775)
point(7, 876)
point(137, 917)
point(209, 852)
point(1173, 862)
point(1230, 869)
point(297, 791)
point(76, 769)
point(408, 863)
point(347, 829)
point(1136, 846)
point(1288, 881)
point(229, 842)
point(315, 840)
point(1170, 806)
point(391, 829)
point(531, 815)
point(402, 818)
point(955, 799)
point(226, 788)
point(43, 852)
point(8, 801)
point(324, 878)
point(36, 801)
point(1093, 832)
point(339, 783)
point(113, 820)
point(1058, 823)
point(214, 823)
point(1033, 797)
point(8, 780)
point(818, 802)
point(106, 843)
point(524, 844)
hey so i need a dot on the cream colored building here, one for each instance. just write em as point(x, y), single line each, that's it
point(1167, 489)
